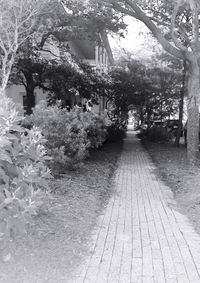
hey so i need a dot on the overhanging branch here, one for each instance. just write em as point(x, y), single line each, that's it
point(137, 13)
point(173, 30)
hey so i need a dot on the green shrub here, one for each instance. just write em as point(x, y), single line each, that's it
point(23, 173)
point(115, 133)
point(142, 134)
point(69, 135)
point(156, 134)
point(67, 141)
point(96, 128)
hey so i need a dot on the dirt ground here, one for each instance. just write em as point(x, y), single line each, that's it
point(59, 239)
point(184, 181)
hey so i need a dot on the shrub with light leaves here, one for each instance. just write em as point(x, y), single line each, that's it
point(95, 126)
point(67, 141)
point(23, 171)
point(69, 135)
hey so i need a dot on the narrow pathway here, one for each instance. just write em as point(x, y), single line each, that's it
point(141, 237)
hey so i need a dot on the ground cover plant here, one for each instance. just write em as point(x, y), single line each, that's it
point(183, 179)
point(62, 230)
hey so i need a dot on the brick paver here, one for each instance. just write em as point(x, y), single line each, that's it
point(141, 237)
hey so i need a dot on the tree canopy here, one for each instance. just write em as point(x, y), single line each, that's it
point(175, 24)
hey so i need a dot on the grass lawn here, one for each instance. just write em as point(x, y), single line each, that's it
point(174, 171)
point(58, 241)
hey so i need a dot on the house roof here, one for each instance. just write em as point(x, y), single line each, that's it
point(85, 48)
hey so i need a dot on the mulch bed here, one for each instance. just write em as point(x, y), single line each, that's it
point(59, 240)
point(183, 180)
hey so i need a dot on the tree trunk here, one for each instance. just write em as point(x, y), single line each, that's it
point(30, 102)
point(181, 104)
point(193, 112)
point(30, 87)
point(141, 115)
point(2, 92)
point(148, 118)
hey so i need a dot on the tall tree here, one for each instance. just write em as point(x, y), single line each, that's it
point(59, 23)
point(173, 23)
point(17, 20)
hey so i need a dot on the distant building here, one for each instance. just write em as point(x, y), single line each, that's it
point(98, 55)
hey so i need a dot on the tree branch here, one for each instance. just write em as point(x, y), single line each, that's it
point(140, 15)
point(174, 37)
point(184, 34)
point(122, 9)
point(195, 16)
point(49, 51)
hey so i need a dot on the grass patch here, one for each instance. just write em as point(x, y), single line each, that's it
point(184, 181)
point(62, 231)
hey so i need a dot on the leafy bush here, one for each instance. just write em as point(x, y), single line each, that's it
point(23, 173)
point(155, 134)
point(115, 133)
point(69, 135)
point(96, 128)
point(67, 141)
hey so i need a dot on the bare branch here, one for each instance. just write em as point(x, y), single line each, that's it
point(17, 19)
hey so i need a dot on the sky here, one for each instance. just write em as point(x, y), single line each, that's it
point(138, 41)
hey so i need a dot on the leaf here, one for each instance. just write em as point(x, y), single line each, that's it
point(47, 158)
point(7, 193)
point(12, 171)
point(5, 157)
point(4, 141)
point(17, 128)
point(8, 201)
point(7, 257)
point(3, 175)
point(11, 137)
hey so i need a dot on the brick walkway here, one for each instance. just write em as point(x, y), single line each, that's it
point(141, 237)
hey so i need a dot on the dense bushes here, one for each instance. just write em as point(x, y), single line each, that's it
point(69, 135)
point(23, 172)
point(115, 133)
point(96, 128)
point(154, 134)
point(52, 136)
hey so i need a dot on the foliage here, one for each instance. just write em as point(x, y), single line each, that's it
point(115, 133)
point(23, 173)
point(69, 135)
point(60, 80)
point(18, 18)
point(119, 96)
point(153, 91)
point(60, 22)
point(175, 24)
point(154, 134)
point(80, 21)
point(96, 128)
point(66, 138)
point(63, 80)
